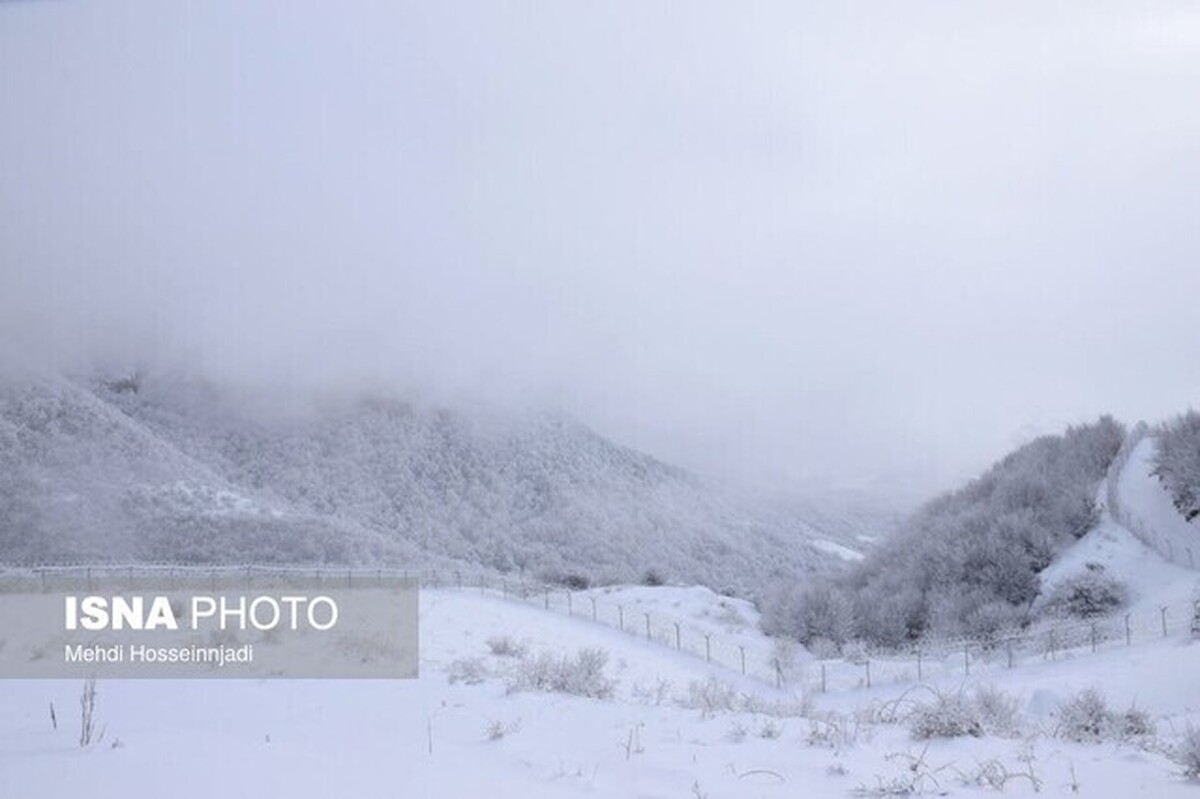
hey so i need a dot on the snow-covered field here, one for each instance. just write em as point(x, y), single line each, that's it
point(653, 737)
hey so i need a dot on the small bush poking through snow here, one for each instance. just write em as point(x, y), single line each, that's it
point(1187, 753)
point(770, 730)
point(1086, 718)
point(987, 711)
point(1087, 595)
point(711, 697)
point(835, 730)
point(471, 671)
point(581, 675)
point(1135, 725)
point(947, 716)
point(504, 646)
point(495, 730)
point(999, 712)
point(653, 578)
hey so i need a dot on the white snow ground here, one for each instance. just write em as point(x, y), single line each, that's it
point(429, 737)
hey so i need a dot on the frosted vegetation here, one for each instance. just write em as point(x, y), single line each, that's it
point(968, 562)
point(1177, 463)
point(178, 470)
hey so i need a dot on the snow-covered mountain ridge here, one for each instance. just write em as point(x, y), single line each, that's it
point(177, 470)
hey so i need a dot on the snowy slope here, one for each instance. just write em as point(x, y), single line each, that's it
point(1145, 506)
point(1138, 533)
point(432, 737)
point(181, 470)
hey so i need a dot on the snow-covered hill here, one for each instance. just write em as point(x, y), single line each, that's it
point(180, 470)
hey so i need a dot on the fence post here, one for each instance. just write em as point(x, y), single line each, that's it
point(868, 665)
point(678, 645)
point(778, 675)
point(458, 578)
point(743, 651)
point(1128, 632)
point(570, 609)
point(1010, 653)
point(1163, 611)
point(482, 582)
point(824, 689)
point(1052, 644)
point(349, 578)
point(920, 676)
point(593, 607)
point(547, 599)
point(708, 647)
point(967, 658)
point(621, 616)
point(647, 615)
point(1093, 634)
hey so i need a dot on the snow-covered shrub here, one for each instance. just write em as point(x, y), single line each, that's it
point(1177, 462)
point(1087, 595)
point(770, 730)
point(581, 675)
point(1000, 713)
point(835, 730)
point(1135, 725)
point(653, 695)
point(471, 671)
point(1187, 753)
point(947, 716)
point(711, 696)
point(653, 578)
point(953, 715)
point(495, 730)
point(1084, 718)
point(505, 646)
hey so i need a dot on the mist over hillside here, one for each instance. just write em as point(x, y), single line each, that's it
point(182, 470)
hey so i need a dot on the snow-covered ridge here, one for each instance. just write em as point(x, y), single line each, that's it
point(176, 470)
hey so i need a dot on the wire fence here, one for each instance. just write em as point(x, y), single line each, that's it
point(736, 647)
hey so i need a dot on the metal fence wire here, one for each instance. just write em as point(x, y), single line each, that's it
point(747, 655)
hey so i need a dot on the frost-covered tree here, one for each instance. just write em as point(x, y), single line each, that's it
point(1177, 462)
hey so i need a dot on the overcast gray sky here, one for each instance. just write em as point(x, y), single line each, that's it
point(788, 243)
